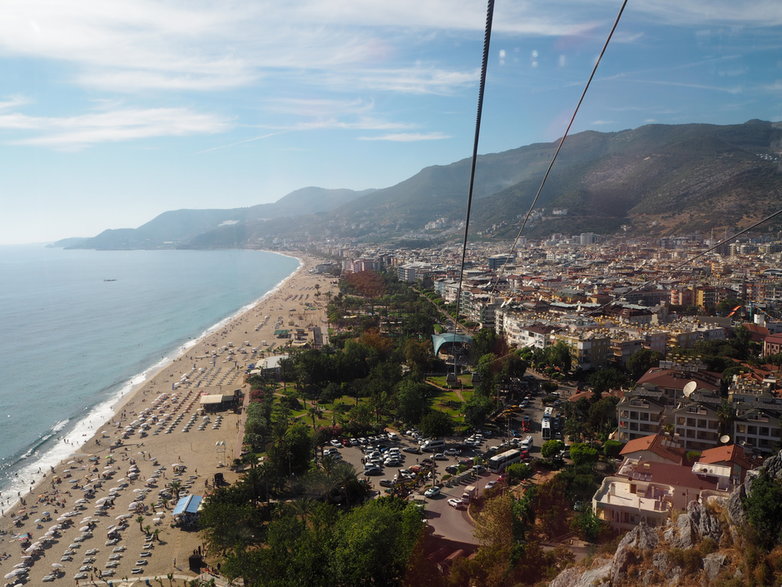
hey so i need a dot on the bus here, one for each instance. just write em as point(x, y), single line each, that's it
point(545, 429)
point(498, 462)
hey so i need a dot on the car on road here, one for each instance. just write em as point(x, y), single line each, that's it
point(386, 483)
point(491, 484)
point(432, 492)
point(455, 502)
point(412, 449)
point(440, 457)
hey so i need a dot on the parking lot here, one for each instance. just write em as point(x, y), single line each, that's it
point(397, 458)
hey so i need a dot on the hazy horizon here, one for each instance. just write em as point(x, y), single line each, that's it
point(114, 112)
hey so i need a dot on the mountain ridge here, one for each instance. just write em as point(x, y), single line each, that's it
point(655, 179)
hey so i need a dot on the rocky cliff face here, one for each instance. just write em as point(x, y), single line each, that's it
point(702, 546)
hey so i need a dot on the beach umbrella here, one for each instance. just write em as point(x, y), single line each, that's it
point(57, 566)
point(10, 575)
point(84, 529)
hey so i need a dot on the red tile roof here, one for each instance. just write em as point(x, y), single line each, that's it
point(730, 453)
point(677, 475)
point(671, 379)
point(652, 443)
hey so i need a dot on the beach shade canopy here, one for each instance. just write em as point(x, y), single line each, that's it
point(57, 565)
point(187, 505)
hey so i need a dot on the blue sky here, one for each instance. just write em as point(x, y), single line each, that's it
point(113, 111)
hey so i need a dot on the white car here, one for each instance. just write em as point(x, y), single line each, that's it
point(455, 502)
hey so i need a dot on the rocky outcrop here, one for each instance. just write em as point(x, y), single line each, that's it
point(712, 564)
point(671, 555)
point(690, 528)
point(574, 577)
point(641, 539)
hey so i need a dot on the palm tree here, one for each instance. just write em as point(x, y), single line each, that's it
point(175, 486)
point(140, 519)
point(726, 414)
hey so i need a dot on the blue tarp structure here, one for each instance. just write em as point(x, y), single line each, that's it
point(187, 505)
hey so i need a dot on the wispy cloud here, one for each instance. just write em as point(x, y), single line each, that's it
point(13, 102)
point(694, 86)
point(408, 137)
point(77, 132)
point(759, 13)
point(602, 122)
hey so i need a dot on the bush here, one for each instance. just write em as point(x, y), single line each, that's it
point(582, 454)
point(517, 472)
point(612, 448)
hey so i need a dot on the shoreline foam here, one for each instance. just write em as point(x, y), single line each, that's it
point(300, 300)
point(58, 448)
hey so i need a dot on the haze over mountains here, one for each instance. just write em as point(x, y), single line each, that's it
point(653, 180)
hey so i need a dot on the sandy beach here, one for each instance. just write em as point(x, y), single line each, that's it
point(83, 520)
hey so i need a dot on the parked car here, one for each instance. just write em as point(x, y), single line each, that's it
point(452, 469)
point(455, 502)
point(373, 471)
point(440, 457)
point(452, 452)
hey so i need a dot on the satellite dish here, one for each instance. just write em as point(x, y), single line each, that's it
point(689, 389)
point(725, 439)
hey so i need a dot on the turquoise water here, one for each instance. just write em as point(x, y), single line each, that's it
point(77, 327)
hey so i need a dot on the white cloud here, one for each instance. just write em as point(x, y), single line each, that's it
point(602, 122)
point(13, 102)
point(408, 137)
point(76, 132)
point(132, 45)
point(758, 13)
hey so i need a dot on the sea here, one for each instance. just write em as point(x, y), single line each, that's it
point(81, 328)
